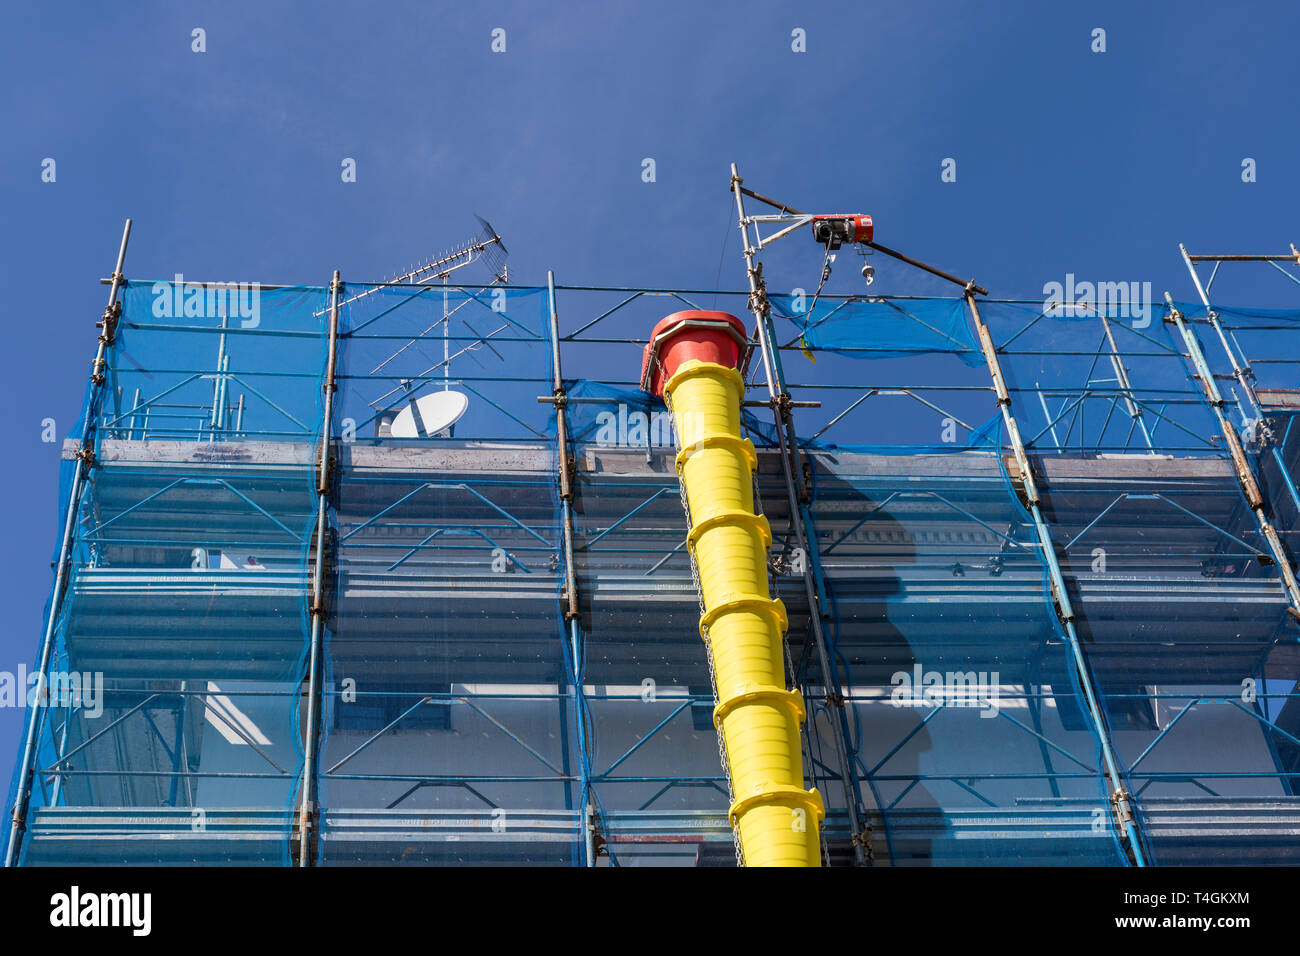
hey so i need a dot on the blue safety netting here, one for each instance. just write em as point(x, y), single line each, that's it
point(185, 723)
point(925, 387)
point(471, 712)
point(1099, 381)
point(963, 705)
point(1263, 340)
point(248, 365)
point(1278, 465)
point(1177, 600)
point(873, 327)
point(653, 750)
point(447, 732)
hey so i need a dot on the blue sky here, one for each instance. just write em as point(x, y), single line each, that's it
point(229, 160)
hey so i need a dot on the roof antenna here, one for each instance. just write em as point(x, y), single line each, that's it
point(433, 414)
point(487, 245)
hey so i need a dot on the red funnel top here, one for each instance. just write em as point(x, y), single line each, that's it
point(717, 337)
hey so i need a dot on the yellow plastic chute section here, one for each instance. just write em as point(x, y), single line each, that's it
point(777, 821)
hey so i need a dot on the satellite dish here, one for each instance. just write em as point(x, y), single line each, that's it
point(429, 415)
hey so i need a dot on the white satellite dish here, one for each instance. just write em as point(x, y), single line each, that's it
point(429, 415)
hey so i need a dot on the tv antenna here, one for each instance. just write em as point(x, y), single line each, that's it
point(487, 245)
point(424, 417)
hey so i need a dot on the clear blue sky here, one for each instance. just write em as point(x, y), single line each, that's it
point(229, 160)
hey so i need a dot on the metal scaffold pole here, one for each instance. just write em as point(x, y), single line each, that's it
point(572, 612)
point(1241, 465)
point(792, 469)
point(1241, 371)
point(323, 485)
point(1242, 375)
point(1121, 801)
point(85, 461)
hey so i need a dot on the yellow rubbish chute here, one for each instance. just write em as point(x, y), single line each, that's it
point(691, 361)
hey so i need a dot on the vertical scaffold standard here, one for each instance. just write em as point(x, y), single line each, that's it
point(691, 361)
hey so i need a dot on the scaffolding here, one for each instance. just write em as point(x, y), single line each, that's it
point(1037, 567)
